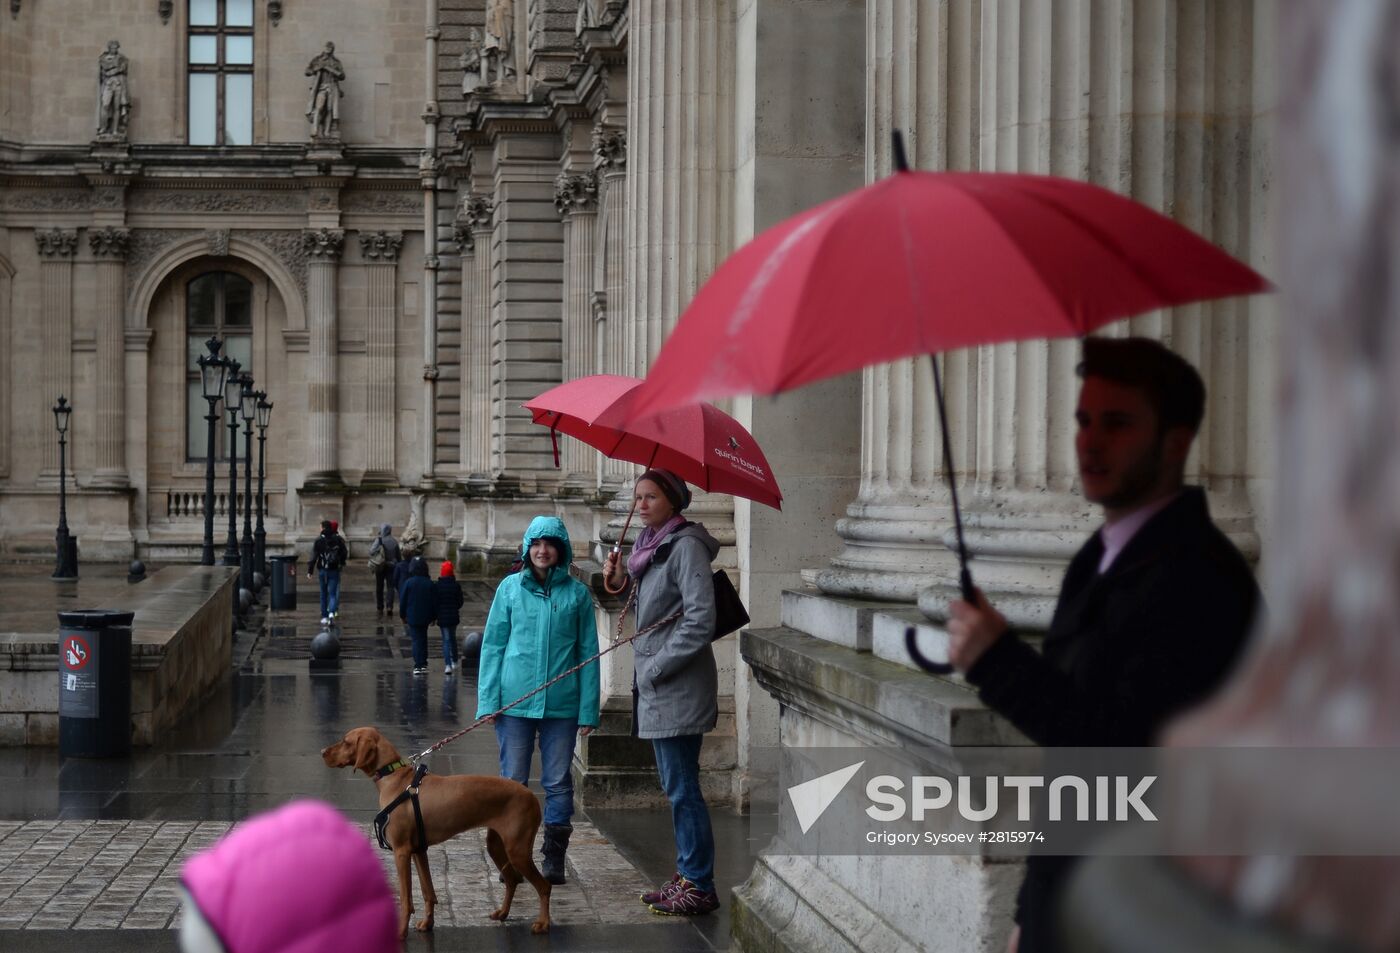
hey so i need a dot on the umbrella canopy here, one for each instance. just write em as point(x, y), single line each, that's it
point(700, 443)
point(923, 262)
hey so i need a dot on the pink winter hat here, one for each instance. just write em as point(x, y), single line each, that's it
point(299, 879)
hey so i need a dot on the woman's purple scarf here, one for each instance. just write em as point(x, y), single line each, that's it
point(646, 545)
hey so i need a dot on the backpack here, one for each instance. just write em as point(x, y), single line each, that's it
point(332, 556)
point(377, 558)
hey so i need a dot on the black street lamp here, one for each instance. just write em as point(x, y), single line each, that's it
point(260, 534)
point(211, 376)
point(66, 565)
point(233, 399)
point(248, 410)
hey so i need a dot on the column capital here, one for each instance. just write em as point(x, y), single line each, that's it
point(382, 247)
point(477, 211)
point(575, 192)
point(609, 149)
point(109, 242)
point(323, 244)
point(56, 242)
point(462, 238)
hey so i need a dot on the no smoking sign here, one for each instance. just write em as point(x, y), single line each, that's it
point(76, 653)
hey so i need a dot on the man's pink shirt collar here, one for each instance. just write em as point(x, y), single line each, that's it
point(1117, 536)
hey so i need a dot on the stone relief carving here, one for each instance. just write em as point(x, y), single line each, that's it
point(274, 11)
point(381, 246)
point(56, 242)
point(609, 149)
point(575, 192)
point(198, 200)
point(462, 239)
point(321, 200)
point(143, 246)
point(34, 200)
point(323, 243)
point(113, 97)
point(287, 246)
point(477, 210)
point(166, 8)
point(497, 47)
point(109, 242)
point(323, 108)
point(470, 61)
point(218, 241)
point(367, 201)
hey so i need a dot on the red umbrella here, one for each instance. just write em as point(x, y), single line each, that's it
point(922, 262)
point(700, 443)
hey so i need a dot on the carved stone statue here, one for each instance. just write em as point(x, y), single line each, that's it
point(497, 55)
point(323, 108)
point(412, 540)
point(590, 14)
point(113, 97)
point(470, 61)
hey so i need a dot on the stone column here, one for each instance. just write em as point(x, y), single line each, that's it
point(576, 198)
point(323, 247)
point(381, 254)
point(1147, 99)
point(610, 161)
point(476, 220)
point(109, 249)
point(57, 247)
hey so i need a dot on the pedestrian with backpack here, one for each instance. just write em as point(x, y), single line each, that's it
point(384, 555)
point(418, 609)
point(328, 557)
point(447, 592)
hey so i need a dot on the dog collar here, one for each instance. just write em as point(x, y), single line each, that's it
point(390, 768)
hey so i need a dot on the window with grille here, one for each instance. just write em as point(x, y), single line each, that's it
point(220, 57)
point(218, 303)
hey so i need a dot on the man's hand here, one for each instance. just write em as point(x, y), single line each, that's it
point(971, 630)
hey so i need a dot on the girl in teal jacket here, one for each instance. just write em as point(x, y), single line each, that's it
point(541, 624)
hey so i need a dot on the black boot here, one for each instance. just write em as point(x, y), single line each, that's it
point(556, 842)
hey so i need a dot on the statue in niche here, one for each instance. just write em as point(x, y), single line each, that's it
point(113, 97)
point(590, 14)
point(323, 108)
point(470, 62)
point(497, 55)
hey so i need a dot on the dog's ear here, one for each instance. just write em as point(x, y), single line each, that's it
point(366, 752)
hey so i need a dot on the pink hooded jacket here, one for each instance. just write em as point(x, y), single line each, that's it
point(299, 879)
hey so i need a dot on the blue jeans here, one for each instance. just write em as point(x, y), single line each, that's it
point(418, 635)
point(449, 644)
point(516, 737)
point(330, 591)
point(678, 764)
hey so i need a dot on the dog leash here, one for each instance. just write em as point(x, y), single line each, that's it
point(617, 643)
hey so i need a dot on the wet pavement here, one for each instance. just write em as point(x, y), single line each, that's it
point(89, 850)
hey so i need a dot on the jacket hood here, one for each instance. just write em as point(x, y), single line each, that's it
point(698, 531)
point(384, 530)
point(548, 526)
point(419, 567)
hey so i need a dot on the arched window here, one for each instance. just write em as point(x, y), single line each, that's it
point(216, 303)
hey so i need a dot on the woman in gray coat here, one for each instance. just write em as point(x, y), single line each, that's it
point(676, 685)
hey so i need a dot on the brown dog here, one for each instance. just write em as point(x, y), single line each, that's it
point(451, 804)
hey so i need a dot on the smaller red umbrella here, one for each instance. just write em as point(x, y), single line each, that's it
point(699, 442)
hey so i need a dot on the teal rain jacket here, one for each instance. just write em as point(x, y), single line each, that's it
point(536, 631)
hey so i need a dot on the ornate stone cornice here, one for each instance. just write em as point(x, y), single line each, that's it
point(323, 244)
point(575, 192)
point(477, 211)
point(381, 246)
point(109, 242)
point(56, 242)
point(609, 149)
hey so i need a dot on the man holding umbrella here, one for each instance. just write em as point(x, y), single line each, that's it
point(1154, 609)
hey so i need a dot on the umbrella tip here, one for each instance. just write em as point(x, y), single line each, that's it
point(901, 161)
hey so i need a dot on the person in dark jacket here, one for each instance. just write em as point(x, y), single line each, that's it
point(447, 596)
point(417, 608)
point(1154, 610)
point(384, 557)
point(402, 569)
point(328, 557)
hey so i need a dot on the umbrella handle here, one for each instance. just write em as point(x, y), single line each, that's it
point(911, 641)
point(617, 548)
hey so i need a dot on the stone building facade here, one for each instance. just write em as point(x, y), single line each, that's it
point(520, 192)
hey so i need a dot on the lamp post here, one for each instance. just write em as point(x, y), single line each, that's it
point(248, 409)
point(211, 376)
point(260, 534)
point(233, 399)
point(66, 565)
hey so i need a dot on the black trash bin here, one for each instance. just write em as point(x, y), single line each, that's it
point(94, 683)
point(284, 581)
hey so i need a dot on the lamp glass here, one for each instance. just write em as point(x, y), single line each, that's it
point(233, 387)
point(249, 398)
point(61, 410)
point(264, 410)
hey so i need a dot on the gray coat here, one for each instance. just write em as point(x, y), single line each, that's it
point(677, 685)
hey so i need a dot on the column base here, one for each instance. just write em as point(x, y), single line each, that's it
point(114, 479)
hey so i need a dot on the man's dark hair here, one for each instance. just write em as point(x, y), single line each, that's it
point(1173, 387)
point(325, 526)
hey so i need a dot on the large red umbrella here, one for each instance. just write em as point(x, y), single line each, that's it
point(922, 262)
point(703, 445)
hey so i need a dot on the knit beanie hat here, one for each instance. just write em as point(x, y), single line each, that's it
point(673, 486)
point(446, 570)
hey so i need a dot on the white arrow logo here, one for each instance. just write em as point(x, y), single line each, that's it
point(810, 799)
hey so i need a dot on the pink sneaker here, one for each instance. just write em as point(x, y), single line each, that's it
point(686, 900)
point(661, 892)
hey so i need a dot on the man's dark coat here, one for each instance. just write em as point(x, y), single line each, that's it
point(1126, 651)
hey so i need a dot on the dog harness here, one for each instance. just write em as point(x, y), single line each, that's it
point(410, 793)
